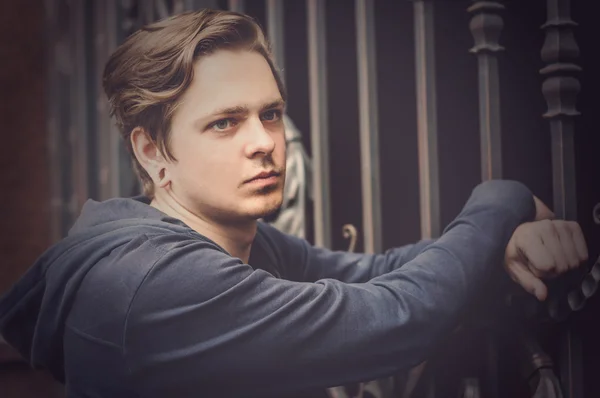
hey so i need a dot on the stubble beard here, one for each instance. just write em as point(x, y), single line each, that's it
point(274, 204)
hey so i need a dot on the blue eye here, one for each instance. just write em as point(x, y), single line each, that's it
point(223, 124)
point(272, 115)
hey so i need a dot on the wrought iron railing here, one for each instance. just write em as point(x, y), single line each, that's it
point(88, 160)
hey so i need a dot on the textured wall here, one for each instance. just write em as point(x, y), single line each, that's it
point(23, 160)
point(24, 232)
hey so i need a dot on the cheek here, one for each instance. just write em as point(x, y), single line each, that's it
point(280, 146)
point(207, 165)
point(193, 160)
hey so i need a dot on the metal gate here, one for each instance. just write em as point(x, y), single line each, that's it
point(88, 160)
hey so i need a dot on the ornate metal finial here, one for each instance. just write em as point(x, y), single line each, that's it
point(560, 51)
point(486, 26)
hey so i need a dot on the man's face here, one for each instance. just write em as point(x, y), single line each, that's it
point(229, 141)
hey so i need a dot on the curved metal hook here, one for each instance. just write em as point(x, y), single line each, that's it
point(349, 232)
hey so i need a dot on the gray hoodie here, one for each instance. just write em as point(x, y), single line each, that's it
point(133, 303)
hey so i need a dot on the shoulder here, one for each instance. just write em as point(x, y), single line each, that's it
point(188, 266)
point(152, 258)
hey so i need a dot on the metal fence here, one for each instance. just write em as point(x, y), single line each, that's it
point(88, 160)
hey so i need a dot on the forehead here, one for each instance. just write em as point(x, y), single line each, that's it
point(228, 78)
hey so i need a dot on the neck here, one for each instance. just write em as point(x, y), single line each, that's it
point(235, 238)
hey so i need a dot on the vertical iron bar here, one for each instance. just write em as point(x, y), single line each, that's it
point(193, 5)
point(106, 31)
point(369, 125)
point(236, 5)
point(146, 12)
point(78, 129)
point(563, 167)
point(276, 33)
point(317, 67)
point(560, 89)
point(161, 9)
point(427, 119)
point(486, 26)
point(61, 119)
point(427, 135)
point(54, 143)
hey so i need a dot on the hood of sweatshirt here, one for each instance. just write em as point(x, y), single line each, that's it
point(34, 311)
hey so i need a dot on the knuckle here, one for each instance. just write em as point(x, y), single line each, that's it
point(546, 265)
point(559, 224)
point(572, 224)
point(574, 227)
point(554, 227)
point(530, 232)
point(573, 261)
point(547, 228)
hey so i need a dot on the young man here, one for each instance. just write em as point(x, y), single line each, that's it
point(181, 293)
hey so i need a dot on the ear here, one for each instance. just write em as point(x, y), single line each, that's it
point(148, 155)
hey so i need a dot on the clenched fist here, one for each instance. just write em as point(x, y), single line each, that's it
point(544, 249)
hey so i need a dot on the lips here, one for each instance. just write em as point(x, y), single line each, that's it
point(264, 174)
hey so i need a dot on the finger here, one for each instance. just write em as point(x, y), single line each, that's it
point(539, 260)
point(553, 245)
point(567, 241)
point(579, 241)
point(520, 274)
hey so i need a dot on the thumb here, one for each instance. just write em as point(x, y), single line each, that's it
point(542, 212)
point(533, 285)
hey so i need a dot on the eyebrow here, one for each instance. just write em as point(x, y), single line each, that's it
point(237, 110)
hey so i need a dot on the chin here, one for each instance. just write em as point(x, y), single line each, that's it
point(266, 205)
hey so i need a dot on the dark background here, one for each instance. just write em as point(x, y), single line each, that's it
point(24, 178)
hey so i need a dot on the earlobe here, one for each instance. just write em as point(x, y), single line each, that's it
point(163, 179)
point(149, 156)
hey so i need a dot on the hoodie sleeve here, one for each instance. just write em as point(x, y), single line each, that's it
point(306, 263)
point(203, 323)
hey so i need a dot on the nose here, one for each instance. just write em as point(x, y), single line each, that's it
point(260, 139)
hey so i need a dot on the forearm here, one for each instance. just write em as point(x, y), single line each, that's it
point(275, 336)
point(358, 267)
